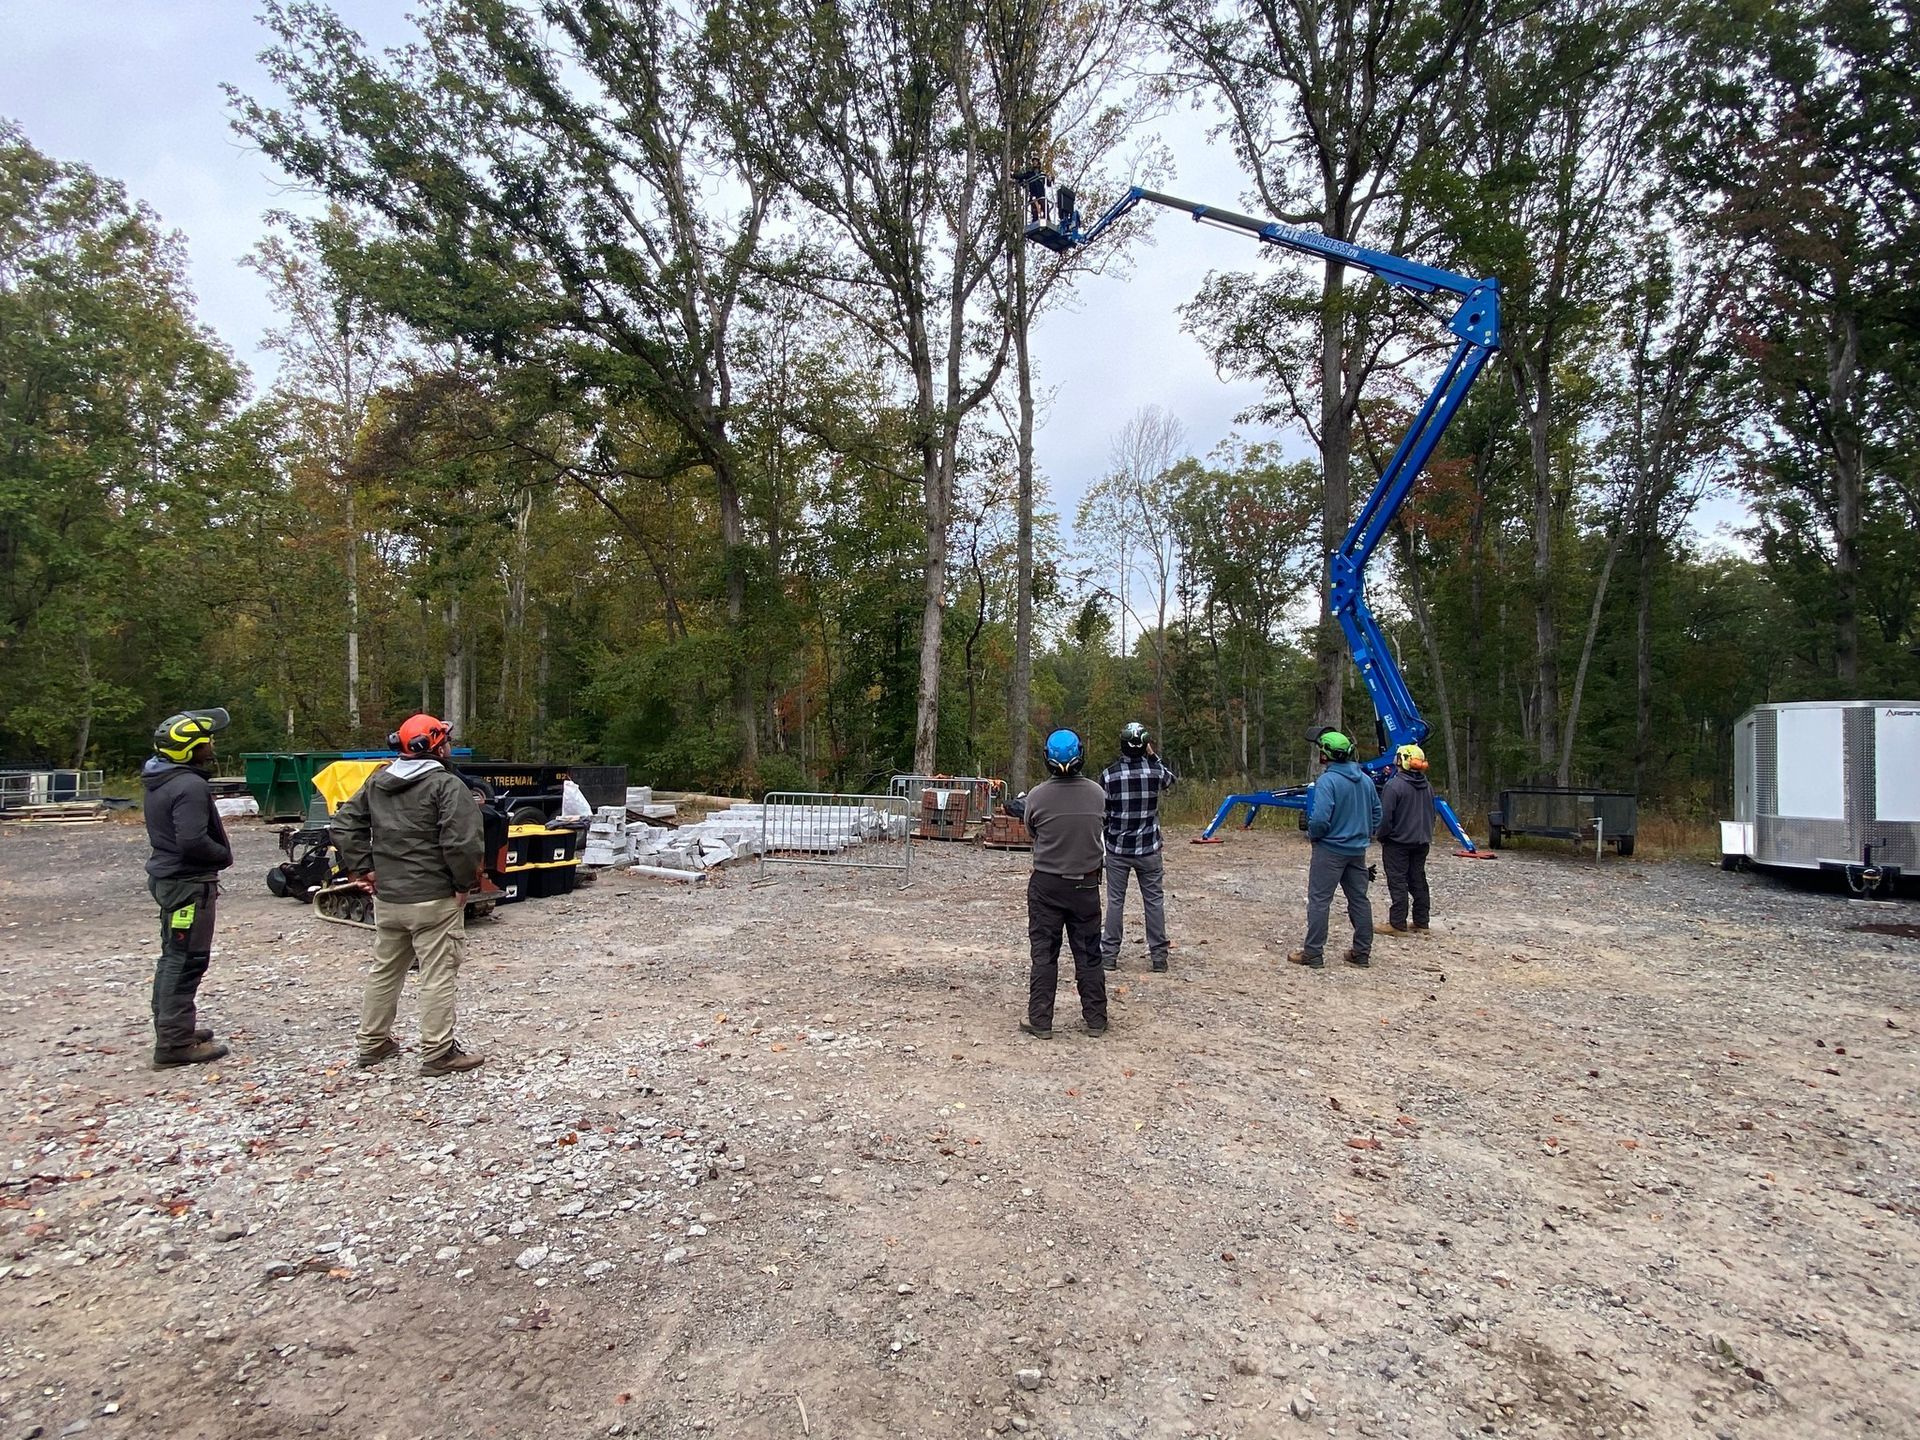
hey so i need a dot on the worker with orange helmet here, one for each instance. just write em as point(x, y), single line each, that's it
point(1406, 834)
point(413, 836)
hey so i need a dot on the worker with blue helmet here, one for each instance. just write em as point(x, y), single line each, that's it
point(1065, 814)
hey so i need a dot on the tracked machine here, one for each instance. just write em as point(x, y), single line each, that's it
point(312, 873)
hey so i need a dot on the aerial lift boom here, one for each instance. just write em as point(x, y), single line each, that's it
point(1054, 222)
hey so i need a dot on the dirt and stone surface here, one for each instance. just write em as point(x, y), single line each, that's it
point(1616, 1151)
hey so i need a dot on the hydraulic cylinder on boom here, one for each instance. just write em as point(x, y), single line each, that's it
point(1053, 221)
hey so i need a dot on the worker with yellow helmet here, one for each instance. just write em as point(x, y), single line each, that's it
point(190, 849)
point(1406, 834)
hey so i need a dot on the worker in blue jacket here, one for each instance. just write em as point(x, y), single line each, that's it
point(1346, 812)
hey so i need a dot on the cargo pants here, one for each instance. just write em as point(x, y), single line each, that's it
point(433, 932)
point(1057, 903)
point(1406, 867)
point(186, 949)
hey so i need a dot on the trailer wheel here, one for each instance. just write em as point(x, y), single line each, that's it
point(1733, 862)
point(1625, 846)
point(528, 815)
point(1494, 836)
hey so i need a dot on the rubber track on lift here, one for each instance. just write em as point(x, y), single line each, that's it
point(344, 903)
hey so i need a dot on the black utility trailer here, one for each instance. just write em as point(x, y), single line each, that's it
point(523, 789)
point(1564, 813)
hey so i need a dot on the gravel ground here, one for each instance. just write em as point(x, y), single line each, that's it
point(1616, 1151)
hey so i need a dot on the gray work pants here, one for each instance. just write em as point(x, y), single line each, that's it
point(1330, 871)
point(1149, 871)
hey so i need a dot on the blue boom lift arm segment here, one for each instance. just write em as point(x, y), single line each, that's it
point(1054, 222)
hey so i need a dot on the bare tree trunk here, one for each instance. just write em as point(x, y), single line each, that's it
point(1843, 380)
point(1564, 776)
point(1430, 642)
point(542, 675)
point(1477, 610)
point(1546, 641)
point(453, 698)
point(733, 537)
point(1336, 505)
point(353, 615)
point(85, 737)
point(1643, 664)
point(1020, 687)
point(926, 730)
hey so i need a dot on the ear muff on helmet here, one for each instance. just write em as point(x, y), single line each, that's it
point(178, 736)
point(1334, 746)
point(1411, 757)
point(421, 735)
point(1135, 738)
point(1065, 753)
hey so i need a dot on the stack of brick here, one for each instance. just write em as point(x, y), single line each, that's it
point(609, 842)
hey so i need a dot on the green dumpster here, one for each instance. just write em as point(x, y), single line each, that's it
point(281, 783)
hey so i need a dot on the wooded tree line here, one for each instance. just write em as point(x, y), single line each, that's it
point(654, 385)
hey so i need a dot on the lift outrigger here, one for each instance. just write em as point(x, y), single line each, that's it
point(1053, 221)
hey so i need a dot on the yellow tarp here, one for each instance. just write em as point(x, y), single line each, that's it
point(338, 782)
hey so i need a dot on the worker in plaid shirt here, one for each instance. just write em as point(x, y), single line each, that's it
point(1134, 784)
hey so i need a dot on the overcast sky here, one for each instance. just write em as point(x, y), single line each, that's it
point(132, 88)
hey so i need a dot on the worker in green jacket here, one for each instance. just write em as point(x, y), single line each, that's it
point(412, 835)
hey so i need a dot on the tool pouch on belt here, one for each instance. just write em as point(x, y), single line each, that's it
point(182, 919)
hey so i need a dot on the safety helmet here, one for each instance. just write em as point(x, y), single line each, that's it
point(1135, 738)
point(1410, 757)
point(178, 736)
point(1335, 746)
point(1065, 754)
point(420, 735)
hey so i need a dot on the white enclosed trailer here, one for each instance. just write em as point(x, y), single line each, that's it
point(1827, 785)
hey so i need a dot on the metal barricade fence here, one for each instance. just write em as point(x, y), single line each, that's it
point(983, 792)
point(21, 789)
point(860, 832)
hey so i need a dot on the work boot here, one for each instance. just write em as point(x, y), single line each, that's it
point(385, 1050)
point(1300, 957)
point(202, 1035)
point(1109, 964)
point(1096, 1027)
point(1027, 1027)
point(1362, 961)
point(1419, 929)
point(1159, 965)
point(199, 1053)
point(1392, 929)
point(452, 1063)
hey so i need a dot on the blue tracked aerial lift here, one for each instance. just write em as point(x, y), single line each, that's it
point(1053, 220)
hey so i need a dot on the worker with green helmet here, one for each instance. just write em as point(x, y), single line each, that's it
point(1406, 834)
point(1345, 813)
point(190, 849)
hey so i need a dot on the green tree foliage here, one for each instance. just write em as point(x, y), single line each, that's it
point(654, 388)
point(113, 408)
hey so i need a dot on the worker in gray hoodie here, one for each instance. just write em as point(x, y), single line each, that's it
point(412, 835)
point(1406, 835)
point(1065, 814)
point(1346, 812)
point(190, 849)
